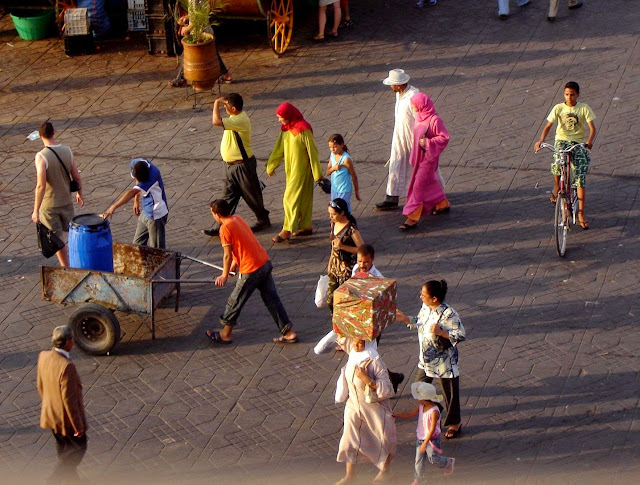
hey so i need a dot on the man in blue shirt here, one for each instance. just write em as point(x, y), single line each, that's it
point(148, 193)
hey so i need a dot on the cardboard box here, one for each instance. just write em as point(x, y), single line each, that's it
point(364, 307)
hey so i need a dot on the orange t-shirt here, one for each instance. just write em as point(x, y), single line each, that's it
point(247, 252)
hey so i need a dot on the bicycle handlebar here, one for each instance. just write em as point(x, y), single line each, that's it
point(566, 150)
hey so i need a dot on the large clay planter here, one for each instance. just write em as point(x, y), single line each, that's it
point(201, 66)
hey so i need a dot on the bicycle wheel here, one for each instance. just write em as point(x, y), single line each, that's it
point(561, 224)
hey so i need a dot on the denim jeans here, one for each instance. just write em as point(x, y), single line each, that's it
point(431, 456)
point(503, 6)
point(150, 232)
point(261, 280)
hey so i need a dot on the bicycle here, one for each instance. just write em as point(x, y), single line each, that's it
point(566, 211)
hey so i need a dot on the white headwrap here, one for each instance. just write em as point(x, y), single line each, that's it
point(356, 358)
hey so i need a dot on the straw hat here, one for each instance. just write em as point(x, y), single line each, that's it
point(396, 77)
point(423, 391)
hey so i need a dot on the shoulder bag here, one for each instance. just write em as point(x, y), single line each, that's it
point(245, 157)
point(73, 185)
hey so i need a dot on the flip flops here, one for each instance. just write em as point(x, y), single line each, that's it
point(215, 337)
point(407, 227)
point(282, 340)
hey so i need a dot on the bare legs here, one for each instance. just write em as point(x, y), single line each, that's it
point(581, 200)
point(63, 256)
point(350, 473)
point(582, 220)
point(322, 20)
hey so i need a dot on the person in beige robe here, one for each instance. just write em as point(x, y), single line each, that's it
point(369, 432)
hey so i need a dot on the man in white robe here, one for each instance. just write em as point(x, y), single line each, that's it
point(399, 168)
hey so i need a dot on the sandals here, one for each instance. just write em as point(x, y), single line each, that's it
point(215, 337)
point(178, 83)
point(279, 239)
point(407, 227)
point(318, 38)
point(303, 232)
point(583, 224)
point(436, 212)
point(346, 23)
point(453, 433)
point(282, 340)
point(225, 80)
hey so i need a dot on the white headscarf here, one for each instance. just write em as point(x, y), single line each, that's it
point(356, 358)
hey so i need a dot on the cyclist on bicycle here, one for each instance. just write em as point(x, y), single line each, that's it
point(573, 119)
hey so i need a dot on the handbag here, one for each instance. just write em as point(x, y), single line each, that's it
point(370, 396)
point(245, 157)
point(73, 185)
point(48, 243)
point(342, 388)
point(321, 291)
point(325, 184)
point(442, 343)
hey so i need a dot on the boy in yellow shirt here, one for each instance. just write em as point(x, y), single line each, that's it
point(573, 118)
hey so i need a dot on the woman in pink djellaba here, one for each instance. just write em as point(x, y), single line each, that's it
point(430, 138)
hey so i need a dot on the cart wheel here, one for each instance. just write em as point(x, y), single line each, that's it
point(95, 329)
point(280, 25)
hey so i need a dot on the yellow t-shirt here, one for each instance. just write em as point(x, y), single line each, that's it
point(229, 150)
point(573, 121)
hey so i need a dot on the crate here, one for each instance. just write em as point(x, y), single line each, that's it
point(161, 45)
point(136, 20)
point(156, 7)
point(76, 21)
point(75, 45)
point(157, 24)
point(136, 4)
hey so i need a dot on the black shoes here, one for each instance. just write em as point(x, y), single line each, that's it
point(396, 379)
point(390, 203)
point(257, 227)
point(386, 206)
point(261, 226)
point(577, 5)
point(214, 231)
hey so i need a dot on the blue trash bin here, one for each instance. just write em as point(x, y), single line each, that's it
point(90, 243)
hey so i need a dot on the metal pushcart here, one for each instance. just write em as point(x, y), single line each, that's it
point(142, 278)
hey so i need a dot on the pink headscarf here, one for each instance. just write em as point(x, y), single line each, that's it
point(424, 105)
point(295, 121)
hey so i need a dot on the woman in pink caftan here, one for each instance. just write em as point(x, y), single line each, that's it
point(369, 428)
point(430, 138)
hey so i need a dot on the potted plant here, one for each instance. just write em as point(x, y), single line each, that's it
point(200, 57)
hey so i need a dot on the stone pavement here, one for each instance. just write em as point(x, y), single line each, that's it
point(549, 381)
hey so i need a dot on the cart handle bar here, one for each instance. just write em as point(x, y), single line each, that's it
point(215, 266)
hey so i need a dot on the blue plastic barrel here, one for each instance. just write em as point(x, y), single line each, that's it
point(90, 243)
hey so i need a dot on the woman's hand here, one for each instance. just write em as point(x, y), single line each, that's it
point(362, 372)
point(440, 332)
point(337, 243)
point(401, 317)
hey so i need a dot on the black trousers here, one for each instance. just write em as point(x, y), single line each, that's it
point(71, 450)
point(450, 389)
point(241, 181)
